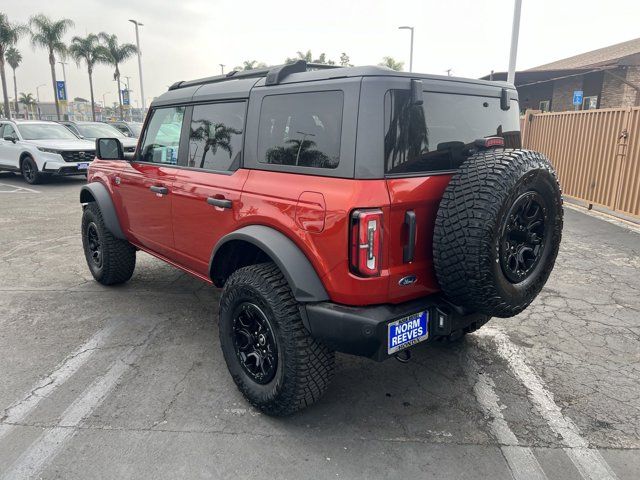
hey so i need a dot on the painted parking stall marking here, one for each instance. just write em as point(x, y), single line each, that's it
point(588, 461)
point(7, 188)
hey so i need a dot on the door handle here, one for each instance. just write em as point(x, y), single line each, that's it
point(408, 250)
point(159, 189)
point(219, 202)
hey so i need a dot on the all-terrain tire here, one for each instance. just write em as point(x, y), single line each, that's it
point(474, 214)
point(117, 258)
point(304, 366)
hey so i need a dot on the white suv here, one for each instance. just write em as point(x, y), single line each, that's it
point(40, 148)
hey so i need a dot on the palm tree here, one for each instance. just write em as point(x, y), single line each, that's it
point(89, 51)
point(27, 100)
point(14, 58)
point(47, 34)
point(9, 35)
point(308, 57)
point(214, 136)
point(117, 54)
point(251, 65)
point(391, 63)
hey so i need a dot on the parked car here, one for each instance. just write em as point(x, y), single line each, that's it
point(93, 130)
point(357, 210)
point(38, 149)
point(130, 129)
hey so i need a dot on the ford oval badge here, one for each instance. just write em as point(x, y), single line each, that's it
point(408, 280)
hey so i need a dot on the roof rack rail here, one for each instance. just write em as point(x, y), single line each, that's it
point(274, 75)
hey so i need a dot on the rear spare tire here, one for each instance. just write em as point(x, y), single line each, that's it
point(498, 231)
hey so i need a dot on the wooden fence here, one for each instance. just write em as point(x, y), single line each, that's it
point(595, 152)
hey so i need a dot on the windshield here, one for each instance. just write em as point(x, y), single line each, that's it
point(98, 130)
point(45, 131)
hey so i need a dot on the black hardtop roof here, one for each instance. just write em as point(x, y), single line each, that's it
point(239, 84)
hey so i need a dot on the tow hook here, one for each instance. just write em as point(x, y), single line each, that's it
point(404, 356)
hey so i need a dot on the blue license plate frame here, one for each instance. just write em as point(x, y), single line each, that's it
point(407, 331)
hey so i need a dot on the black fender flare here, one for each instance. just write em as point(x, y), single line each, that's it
point(292, 262)
point(96, 191)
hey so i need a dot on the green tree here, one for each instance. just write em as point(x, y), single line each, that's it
point(308, 57)
point(28, 101)
point(9, 35)
point(88, 50)
point(214, 136)
point(14, 58)
point(47, 34)
point(250, 65)
point(116, 55)
point(345, 61)
point(392, 63)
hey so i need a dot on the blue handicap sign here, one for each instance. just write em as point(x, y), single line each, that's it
point(61, 90)
point(577, 97)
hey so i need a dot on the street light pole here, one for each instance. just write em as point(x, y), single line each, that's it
point(38, 97)
point(221, 68)
point(411, 50)
point(138, 24)
point(515, 33)
point(104, 105)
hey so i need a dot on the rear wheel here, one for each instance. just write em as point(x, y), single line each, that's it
point(272, 358)
point(498, 231)
point(30, 172)
point(110, 259)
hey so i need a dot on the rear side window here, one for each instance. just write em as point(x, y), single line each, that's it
point(215, 136)
point(301, 129)
point(162, 137)
point(440, 134)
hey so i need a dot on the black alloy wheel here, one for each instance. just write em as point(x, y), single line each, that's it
point(255, 343)
point(523, 236)
point(94, 245)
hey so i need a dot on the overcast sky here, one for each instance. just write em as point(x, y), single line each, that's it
point(185, 39)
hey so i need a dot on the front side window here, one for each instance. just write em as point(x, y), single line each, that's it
point(301, 129)
point(441, 134)
point(98, 130)
point(162, 138)
point(215, 136)
point(8, 131)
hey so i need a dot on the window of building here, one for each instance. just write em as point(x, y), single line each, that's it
point(545, 105)
point(590, 103)
point(301, 129)
point(441, 134)
point(162, 137)
point(215, 136)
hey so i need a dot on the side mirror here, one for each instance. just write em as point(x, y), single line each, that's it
point(416, 92)
point(109, 149)
point(10, 138)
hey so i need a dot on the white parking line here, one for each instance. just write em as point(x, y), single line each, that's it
point(19, 410)
point(53, 440)
point(521, 460)
point(16, 189)
point(588, 461)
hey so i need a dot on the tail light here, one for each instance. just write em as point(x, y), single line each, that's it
point(489, 142)
point(366, 242)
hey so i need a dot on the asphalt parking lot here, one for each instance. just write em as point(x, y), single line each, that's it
point(129, 381)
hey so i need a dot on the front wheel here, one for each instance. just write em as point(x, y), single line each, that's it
point(30, 172)
point(275, 363)
point(110, 260)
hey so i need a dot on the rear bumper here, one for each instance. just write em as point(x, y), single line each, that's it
point(362, 331)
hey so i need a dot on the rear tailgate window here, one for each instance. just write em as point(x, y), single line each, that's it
point(439, 135)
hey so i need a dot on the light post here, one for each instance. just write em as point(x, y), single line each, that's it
point(138, 24)
point(515, 33)
point(38, 98)
point(221, 68)
point(129, 99)
point(405, 27)
point(104, 105)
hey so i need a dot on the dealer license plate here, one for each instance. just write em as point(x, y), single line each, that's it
point(83, 166)
point(407, 331)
